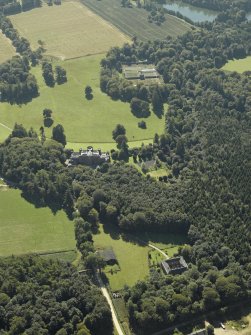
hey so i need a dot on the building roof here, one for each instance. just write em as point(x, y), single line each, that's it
point(174, 265)
point(108, 255)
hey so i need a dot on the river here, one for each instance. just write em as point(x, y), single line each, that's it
point(195, 14)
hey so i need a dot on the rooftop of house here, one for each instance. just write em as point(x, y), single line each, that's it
point(174, 265)
point(89, 152)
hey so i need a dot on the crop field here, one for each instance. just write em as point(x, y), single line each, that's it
point(85, 121)
point(28, 229)
point(133, 21)
point(68, 31)
point(238, 65)
point(6, 49)
point(132, 258)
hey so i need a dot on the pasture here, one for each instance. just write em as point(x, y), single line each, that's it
point(31, 230)
point(133, 21)
point(238, 65)
point(85, 121)
point(132, 258)
point(68, 31)
point(6, 49)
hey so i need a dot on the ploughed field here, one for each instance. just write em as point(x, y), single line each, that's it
point(133, 21)
point(69, 30)
point(6, 49)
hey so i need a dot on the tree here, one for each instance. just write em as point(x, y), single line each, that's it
point(210, 330)
point(94, 261)
point(211, 297)
point(19, 131)
point(48, 121)
point(88, 90)
point(142, 124)
point(121, 141)
point(61, 77)
point(58, 134)
point(119, 130)
point(88, 93)
point(140, 108)
point(157, 103)
point(48, 74)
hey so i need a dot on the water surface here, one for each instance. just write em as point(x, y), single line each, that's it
point(195, 14)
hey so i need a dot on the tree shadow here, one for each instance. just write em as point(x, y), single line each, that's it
point(112, 230)
point(89, 96)
point(54, 207)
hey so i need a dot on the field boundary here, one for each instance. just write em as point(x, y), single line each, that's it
point(42, 253)
point(112, 142)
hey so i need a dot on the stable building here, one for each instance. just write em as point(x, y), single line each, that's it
point(175, 265)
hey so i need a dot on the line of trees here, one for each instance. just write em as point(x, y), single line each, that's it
point(10, 7)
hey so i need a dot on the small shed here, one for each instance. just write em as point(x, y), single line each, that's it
point(108, 256)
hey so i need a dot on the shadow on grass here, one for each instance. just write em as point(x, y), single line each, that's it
point(54, 206)
point(143, 238)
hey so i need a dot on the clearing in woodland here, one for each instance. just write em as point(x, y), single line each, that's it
point(68, 31)
point(28, 229)
point(6, 49)
point(134, 21)
point(132, 258)
point(84, 120)
point(238, 65)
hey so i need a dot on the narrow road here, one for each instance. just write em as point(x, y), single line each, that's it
point(3, 125)
point(107, 296)
point(159, 250)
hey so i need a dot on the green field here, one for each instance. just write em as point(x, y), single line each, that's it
point(238, 65)
point(28, 229)
point(68, 31)
point(133, 21)
point(6, 49)
point(131, 257)
point(90, 121)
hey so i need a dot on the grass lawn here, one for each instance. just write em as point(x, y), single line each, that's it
point(238, 65)
point(159, 173)
point(28, 229)
point(69, 30)
point(7, 50)
point(131, 257)
point(89, 121)
point(107, 146)
point(133, 21)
